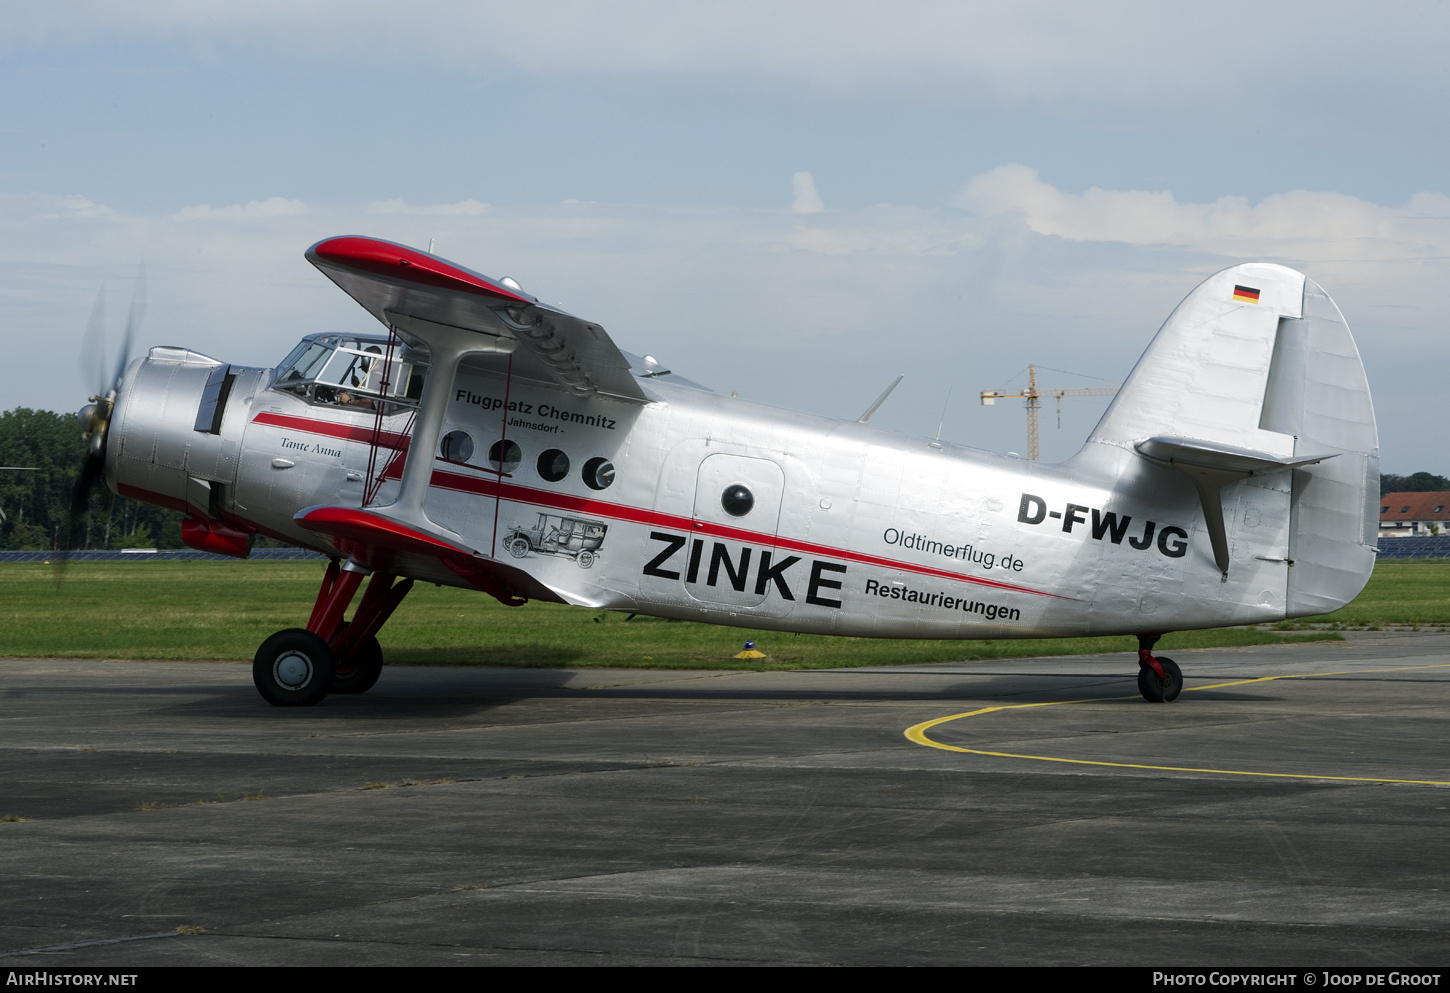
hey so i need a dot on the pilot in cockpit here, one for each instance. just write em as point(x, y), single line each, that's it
point(348, 372)
point(356, 376)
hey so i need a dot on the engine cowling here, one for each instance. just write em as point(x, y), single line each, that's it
point(175, 440)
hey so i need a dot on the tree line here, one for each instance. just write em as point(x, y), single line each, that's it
point(1420, 482)
point(35, 499)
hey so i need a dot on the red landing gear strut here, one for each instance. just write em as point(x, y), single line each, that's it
point(298, 667)
point(1159, 678)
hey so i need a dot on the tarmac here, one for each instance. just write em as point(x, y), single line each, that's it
point(163, 814)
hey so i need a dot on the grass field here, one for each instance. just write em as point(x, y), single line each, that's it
point(1401, 593)
point(223, 610)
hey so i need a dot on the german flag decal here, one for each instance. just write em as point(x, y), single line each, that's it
point(1245, 294)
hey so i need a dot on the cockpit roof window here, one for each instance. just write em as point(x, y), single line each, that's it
point(311, 345)
point(348, 370)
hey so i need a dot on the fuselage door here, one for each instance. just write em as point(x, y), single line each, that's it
point(737, 511)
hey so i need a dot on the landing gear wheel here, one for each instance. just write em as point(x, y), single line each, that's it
point(585, 560)
point(366, 667)
point(1163, 690)
point(519, 547)
point(293, 668)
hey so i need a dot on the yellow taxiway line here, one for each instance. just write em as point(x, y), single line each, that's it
point(917, 734)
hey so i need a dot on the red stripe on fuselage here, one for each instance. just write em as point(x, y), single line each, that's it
point(155, 499)
point(179, 505)
point(332, 429)
point(575, 504)
point(636, 515)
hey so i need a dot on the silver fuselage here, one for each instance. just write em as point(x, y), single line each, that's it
point(853, 530)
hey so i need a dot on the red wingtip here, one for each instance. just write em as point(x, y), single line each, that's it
point(406, 265)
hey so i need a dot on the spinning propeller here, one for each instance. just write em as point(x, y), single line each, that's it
point(95, 417)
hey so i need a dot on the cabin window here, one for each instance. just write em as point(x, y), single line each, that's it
point(457, 446)
point(598, 473)
point(553, 465)
point(737, 500)
point(505, 456)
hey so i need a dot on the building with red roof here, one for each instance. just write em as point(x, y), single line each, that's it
point(1414, 515)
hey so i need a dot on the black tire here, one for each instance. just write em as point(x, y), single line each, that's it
point(293, 668)
point(518, 547)
point(367, 666)
point(1164, 690)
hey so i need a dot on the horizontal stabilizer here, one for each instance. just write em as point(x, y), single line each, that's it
point(387, 545)
point(1228, 458)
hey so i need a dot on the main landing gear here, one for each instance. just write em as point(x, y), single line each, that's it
point(298, 667)
point(1159, 679)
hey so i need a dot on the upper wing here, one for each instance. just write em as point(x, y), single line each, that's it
point(402, 287)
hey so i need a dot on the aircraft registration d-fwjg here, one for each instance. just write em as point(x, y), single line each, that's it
point(489, 441)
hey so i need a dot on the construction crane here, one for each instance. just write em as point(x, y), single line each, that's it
point(1034, 396)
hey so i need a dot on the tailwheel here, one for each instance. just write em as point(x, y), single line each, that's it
point(358, 674)
point(293, 668)
point(1164, 688)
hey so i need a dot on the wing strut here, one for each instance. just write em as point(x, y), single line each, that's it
point(374, 479)
point(503, 446)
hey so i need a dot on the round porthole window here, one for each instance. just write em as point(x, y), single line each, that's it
point(737, 500)
point(457, 446)
point(505, 456)
point(553, 465)
point(598, 473)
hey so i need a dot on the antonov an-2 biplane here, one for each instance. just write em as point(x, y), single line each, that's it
point(489, 441)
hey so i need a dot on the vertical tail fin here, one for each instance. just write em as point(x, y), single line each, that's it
point(1258, 360)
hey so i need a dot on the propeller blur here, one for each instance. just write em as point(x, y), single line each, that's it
point(95, 417)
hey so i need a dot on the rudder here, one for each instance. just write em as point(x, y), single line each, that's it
point(1318, 392)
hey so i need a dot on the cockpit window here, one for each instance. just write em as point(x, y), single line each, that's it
point(308, 363)
point(349, 371)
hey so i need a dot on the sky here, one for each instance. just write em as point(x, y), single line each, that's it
point(792, 200)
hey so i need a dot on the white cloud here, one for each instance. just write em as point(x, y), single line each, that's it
point(256, 210)
point(1296, 225)
point(78, 208)
point(463, 208)
point(804, 198)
